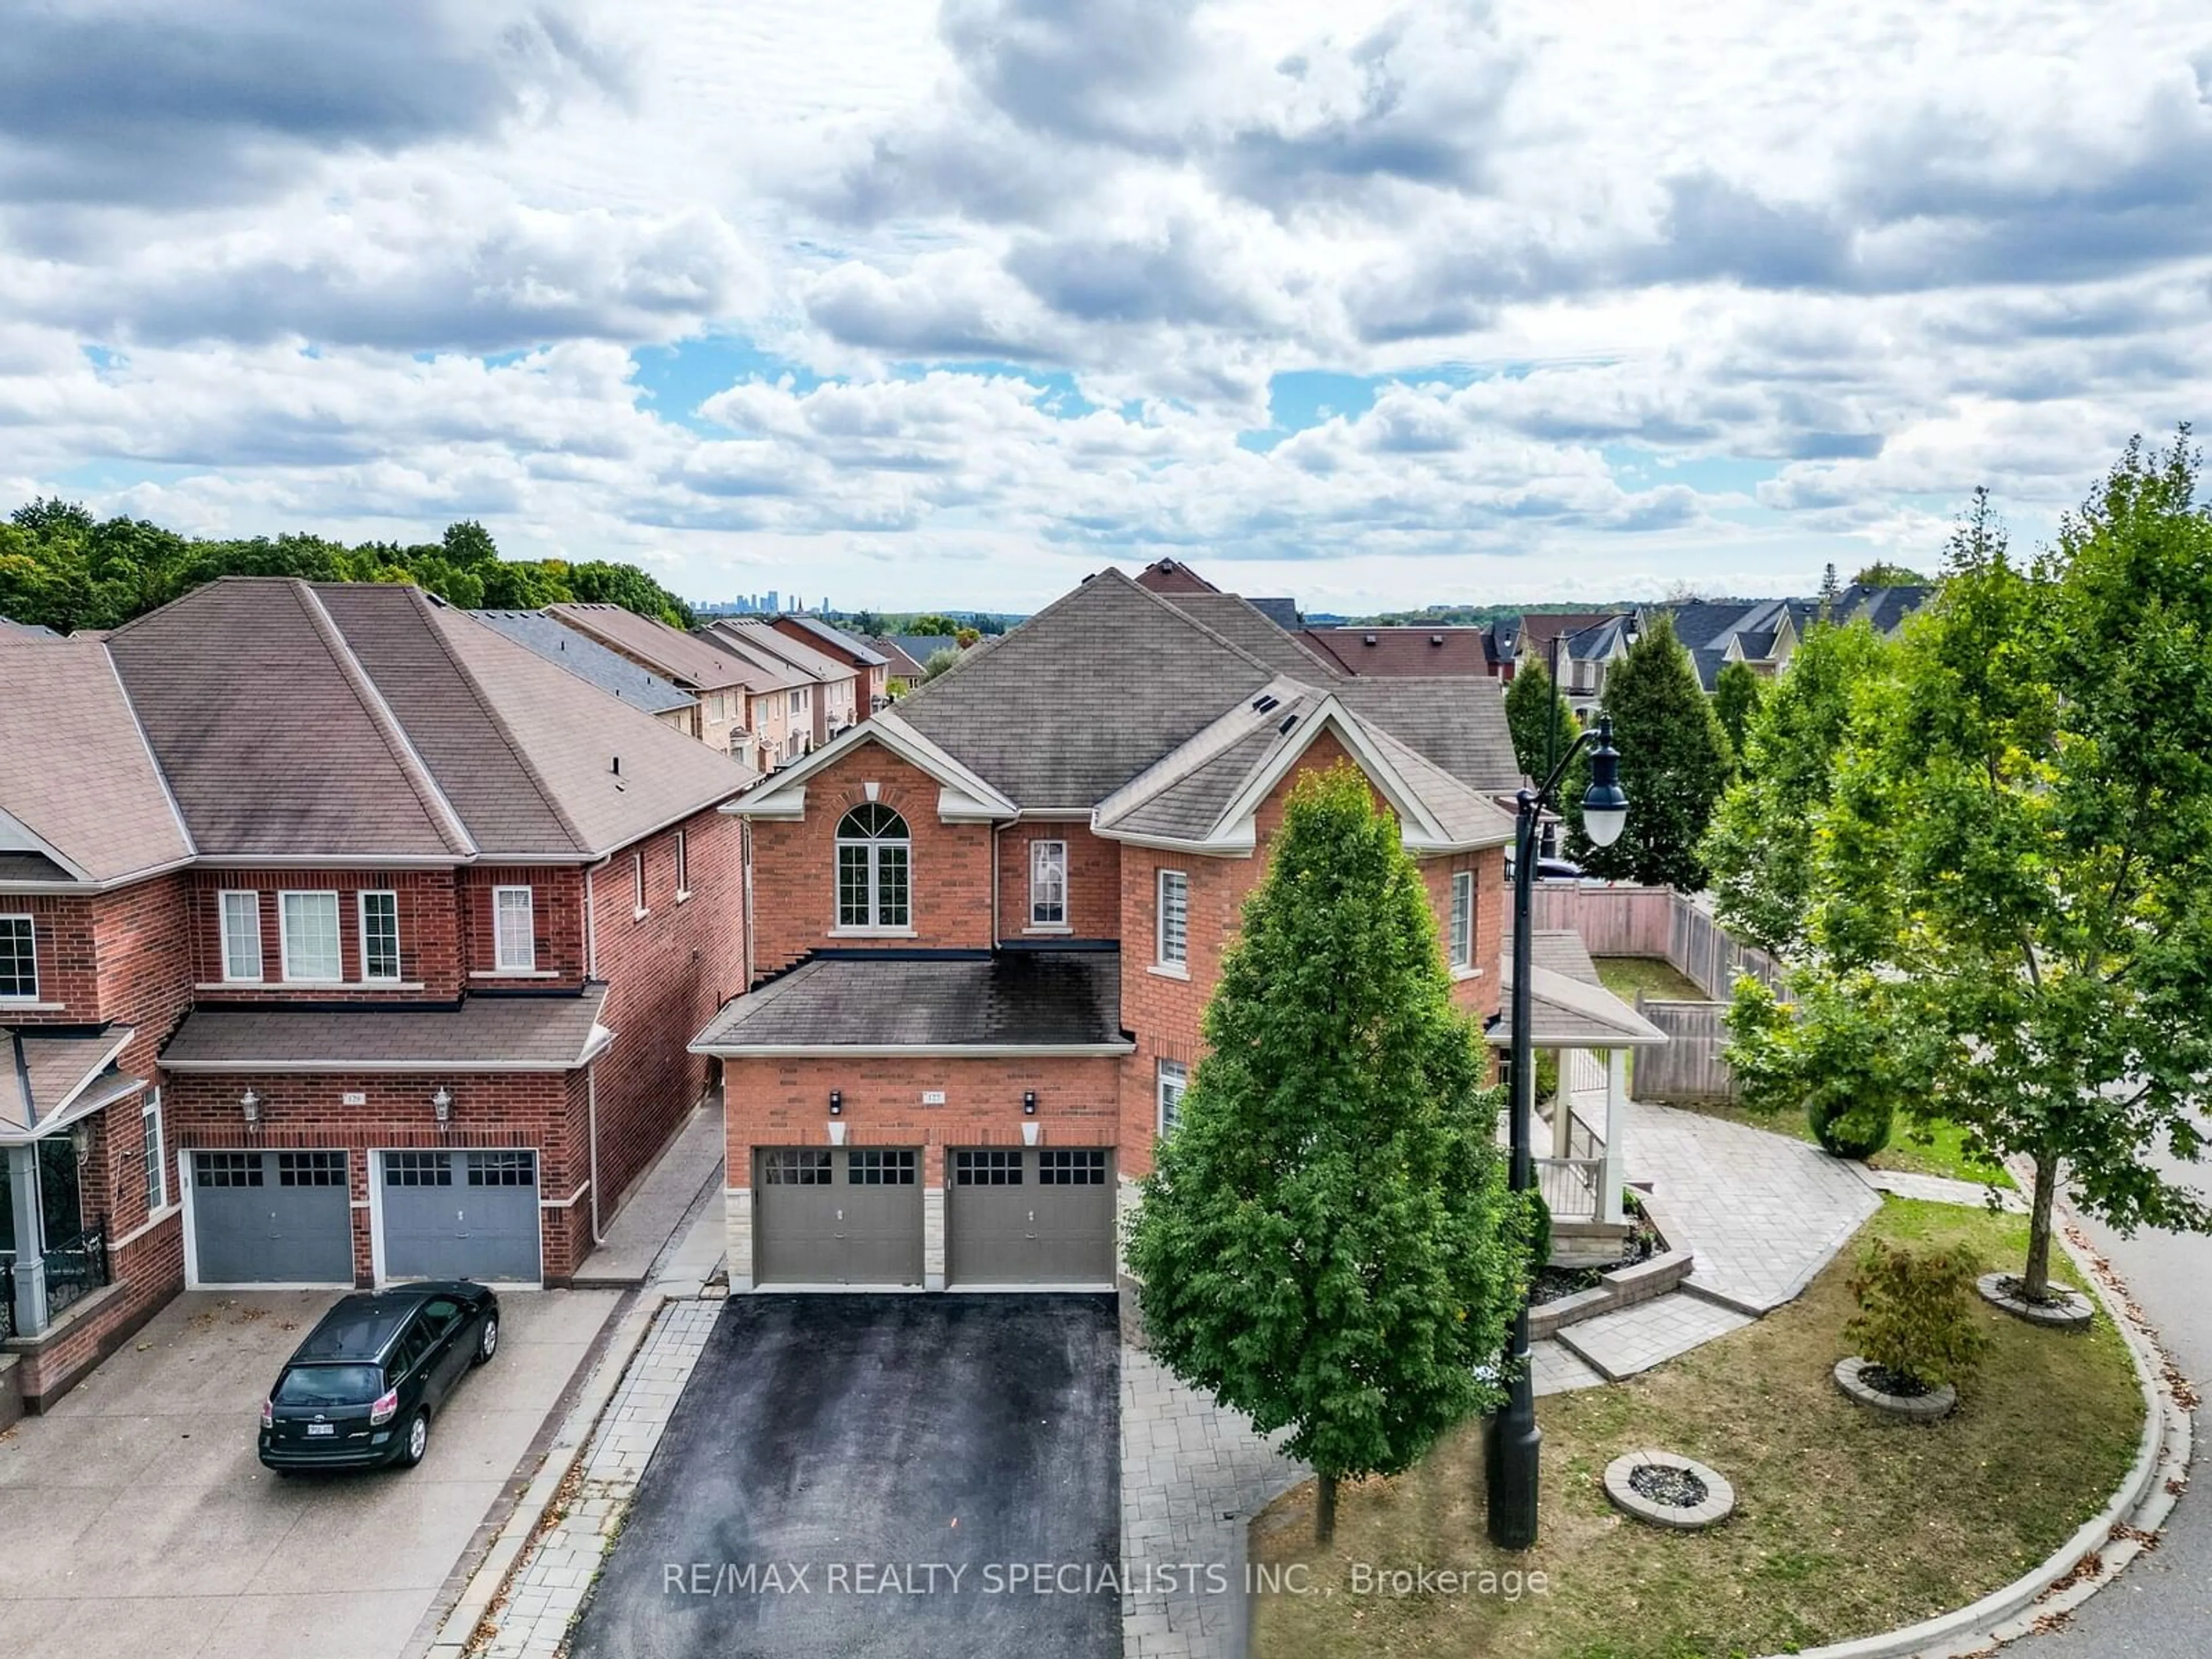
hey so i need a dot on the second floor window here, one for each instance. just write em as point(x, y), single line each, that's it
point(19, 957)
point(873, 872)
point(241, 935)
point(683, 867)
point(514, 935)
point(798, 702)
point(1048, 883)
point(1462, 919)
point(1175, 918)
point(310, 936)
point(379, 936)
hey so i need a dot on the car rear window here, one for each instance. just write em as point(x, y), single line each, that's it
point(329, 1385)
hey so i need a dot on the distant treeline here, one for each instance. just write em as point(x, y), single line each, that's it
point(61, 567)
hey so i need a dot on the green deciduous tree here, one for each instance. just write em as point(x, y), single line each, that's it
point(1737, 692)
point(2014, 869)
point(939, 660)
point(1326, 1242)
point(1885, 575)
point(1542, 725)
point(1674, 762)
point(1759, 850)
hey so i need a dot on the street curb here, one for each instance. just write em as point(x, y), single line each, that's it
point(566, 1454)
point(2097, 1551)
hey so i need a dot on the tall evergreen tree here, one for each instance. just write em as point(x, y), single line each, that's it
point(1674, 762)
point(1542, 725)
point(1326, 1242)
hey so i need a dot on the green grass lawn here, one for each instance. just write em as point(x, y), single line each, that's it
point(1936, 1149)
point(1846, 1525)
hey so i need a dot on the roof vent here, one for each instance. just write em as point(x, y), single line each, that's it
point(1367, 640)
point(1288, 721)
point(1263, 702)
point(617, 768)
point(1436, 639)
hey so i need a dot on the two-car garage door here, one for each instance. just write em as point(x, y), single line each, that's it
point(286, 1218)
point(1014, 1216)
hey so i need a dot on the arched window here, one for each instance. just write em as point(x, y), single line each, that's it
point(872, 868)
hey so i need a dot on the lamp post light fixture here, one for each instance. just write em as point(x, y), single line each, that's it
point(1511, 1441)
point(441, 1106)
point(249, 1108)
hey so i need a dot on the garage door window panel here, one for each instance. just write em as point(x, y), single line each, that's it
point(227, 1168)
point(418, 1169)
point(800, 1168)
point(1078, 1166)
point(996, 1166)
point(867, 1167)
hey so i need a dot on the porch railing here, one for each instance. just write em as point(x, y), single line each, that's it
point(76, 1267)
point(1570, 1187)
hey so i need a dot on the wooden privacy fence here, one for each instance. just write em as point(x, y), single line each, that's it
point(1690, 1067)
point(1657, 922)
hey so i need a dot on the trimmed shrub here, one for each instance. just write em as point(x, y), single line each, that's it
point(1916, 1318)
point(1539, 1234)
point(1856, 1128)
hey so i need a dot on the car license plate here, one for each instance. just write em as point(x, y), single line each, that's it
point(322, 1428)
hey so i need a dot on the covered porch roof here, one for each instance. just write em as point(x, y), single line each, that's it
point(484, 1033)
point(1569, 1007)
point(53, 1076)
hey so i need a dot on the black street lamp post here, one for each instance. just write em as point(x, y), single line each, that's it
point(1512, 1441)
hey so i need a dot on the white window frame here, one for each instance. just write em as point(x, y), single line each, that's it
point(1461, 939)
point(1180, 962)
point(30, 926)
point(683, 867)
point(873, 846)
point(500, 959)
point(1180, 1082)
point(155, 1153)
point(639, 910)
point(1048, 866)
point(228, 936)
point(284, 898)
point(361, 913)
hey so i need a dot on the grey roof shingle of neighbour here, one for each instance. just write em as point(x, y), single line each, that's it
point(757, 668)
point(73, 769)
point(922, 647)
point(816, 666)
point(10, 626)
point(485, 1034)
point(1562, 950)
point(838, 638)
point(360, 720)
point(1083, 696)
point(691, 663)
point(41, 1071)
point(1014, 999)
point(587, 660)
point(1568, 1013)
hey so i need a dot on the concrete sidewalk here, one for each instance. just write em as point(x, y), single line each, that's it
point(659, 1204)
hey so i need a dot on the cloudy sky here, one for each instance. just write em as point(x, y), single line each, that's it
point(910, 304)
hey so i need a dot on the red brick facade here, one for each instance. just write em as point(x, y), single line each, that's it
point(1113, 895)
point(144, 955)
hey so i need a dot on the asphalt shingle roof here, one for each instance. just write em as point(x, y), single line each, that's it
point(773, 642)
point(1083, 696)
point(485, 1034)
point(587, 660)
point(1242, 624)
point(1457, 723)
point(920, 648)
point(674, 654)
point(73, 769)
point(1014, 999)
point(1415, 653)
point(839, 640)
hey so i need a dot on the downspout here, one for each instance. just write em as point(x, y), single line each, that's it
point(592, 1069)
point(997, 828)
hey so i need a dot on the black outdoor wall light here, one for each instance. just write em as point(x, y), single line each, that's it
point(1029, 1103)
point(836, 1102)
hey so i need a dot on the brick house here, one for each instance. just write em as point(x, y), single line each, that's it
point(831, 698)
point(722, 687)
point(987, 922)
point(591, 662)
point(343, 940)
point(874, 668)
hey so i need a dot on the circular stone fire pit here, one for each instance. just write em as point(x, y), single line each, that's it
point(2070, 1311)
point(1666, 1490)
point(1864, 1383)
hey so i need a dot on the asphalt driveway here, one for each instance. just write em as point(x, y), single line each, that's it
point(142, 1523)
point(880, 1477)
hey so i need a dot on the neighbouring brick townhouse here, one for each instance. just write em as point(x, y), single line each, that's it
point(343, 939)
point(833, 699)
point(874, 668)
point(987, 921)
point(722, 687)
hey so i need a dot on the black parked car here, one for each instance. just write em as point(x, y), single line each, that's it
point(359, 1392)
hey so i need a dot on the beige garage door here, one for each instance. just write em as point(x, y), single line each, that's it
point(838, 1215)
point(1022, 1215)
